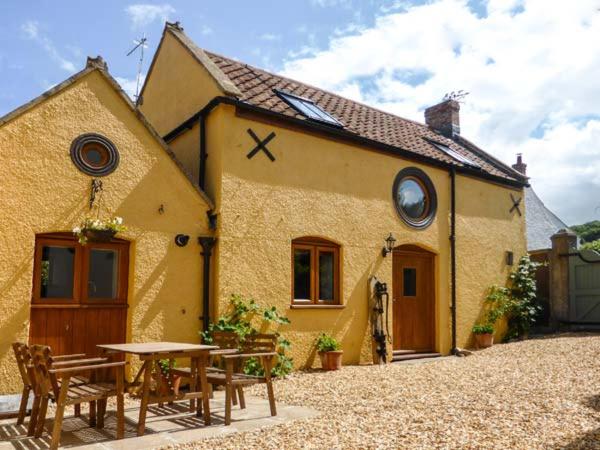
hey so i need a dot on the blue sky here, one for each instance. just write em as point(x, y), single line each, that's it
point(531, 66)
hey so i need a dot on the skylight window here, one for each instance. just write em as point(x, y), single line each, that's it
point(463, 159)
point(308, 108)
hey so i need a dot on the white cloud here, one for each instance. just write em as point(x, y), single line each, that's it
point(530, 68)
point(143, 14)
point(129, 85)
point(206, 30)
point(270, 37)
point(31, 31)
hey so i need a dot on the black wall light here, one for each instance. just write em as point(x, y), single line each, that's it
point(181, 240)
point(390, 241)
point(510, 258)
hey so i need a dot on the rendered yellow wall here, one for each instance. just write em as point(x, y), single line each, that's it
point(317, 187)
point(177, 87)
point(42, 192)
point(485, 230)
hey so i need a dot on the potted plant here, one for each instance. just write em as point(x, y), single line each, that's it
point(165, 369)
point(484, 335)
point(329, 352)
point(97, 230)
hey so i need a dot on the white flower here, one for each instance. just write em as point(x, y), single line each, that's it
point(77, 230)
point(118, 220)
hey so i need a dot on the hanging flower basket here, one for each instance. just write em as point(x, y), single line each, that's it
point(98, 235)
point(96, 230)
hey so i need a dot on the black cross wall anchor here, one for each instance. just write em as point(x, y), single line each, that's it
point(261, 145)
point(516, 204)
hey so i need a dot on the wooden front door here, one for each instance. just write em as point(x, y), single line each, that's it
point(79, 296)
point(414, 299)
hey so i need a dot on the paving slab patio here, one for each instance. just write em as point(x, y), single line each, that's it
point(169, 425)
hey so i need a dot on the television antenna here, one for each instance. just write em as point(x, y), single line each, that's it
point(141, 45)
point(458, 96)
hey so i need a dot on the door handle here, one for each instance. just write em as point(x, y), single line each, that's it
point(67, 327)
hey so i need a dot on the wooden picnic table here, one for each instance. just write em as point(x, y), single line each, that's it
point(150, 354)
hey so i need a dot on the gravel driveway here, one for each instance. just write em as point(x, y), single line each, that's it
point(541, 393)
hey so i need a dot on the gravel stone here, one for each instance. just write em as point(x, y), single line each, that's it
point(536, 394)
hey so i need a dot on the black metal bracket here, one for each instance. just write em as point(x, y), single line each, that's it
point(95, 189)
point(516, 204)
point(212, 219)
point(261, 145)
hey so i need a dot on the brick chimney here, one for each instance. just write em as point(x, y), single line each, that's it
point(520, 166)
point(444, 117)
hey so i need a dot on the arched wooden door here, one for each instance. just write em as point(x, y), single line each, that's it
point(79, 297)
point(413, 299)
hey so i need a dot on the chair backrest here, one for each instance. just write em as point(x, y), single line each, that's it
point(226, 339)
point(23, 362)
point(41, 356)
point(259, 343)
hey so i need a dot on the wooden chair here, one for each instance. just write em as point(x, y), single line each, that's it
point(234, 354)
point(24, 364)
point(233, 378)
point(53, 383)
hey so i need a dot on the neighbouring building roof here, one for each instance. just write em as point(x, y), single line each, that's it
point(259, 88)
point(541, 223)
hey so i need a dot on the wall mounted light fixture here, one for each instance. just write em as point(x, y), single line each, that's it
point(389, 245)
point(181, 240)
point(510, 258)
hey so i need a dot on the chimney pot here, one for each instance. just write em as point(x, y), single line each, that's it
point(520, 166)
point(97, 62)
point(444, 118)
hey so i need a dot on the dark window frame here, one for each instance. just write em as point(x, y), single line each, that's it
point(317, 246)
point(80, 270)
point(425, 182)
point(110, 155)
point(320, 115)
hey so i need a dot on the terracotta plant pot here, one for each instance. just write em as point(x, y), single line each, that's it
point(484, 340)
point(165, 383)
point(99, 235)
point(331, 360)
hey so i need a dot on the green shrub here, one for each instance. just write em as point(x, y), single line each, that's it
point(327, 343)
point(242, 315)
point(483, 329)
point(594, 245)
point(516, 302)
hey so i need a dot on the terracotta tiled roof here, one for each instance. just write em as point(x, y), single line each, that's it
point(257, 87)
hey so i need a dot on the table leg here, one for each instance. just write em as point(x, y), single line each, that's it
point(205, 392)
point(147, 368)
point(193, 382)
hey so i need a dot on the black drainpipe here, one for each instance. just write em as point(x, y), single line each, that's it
point(207, 244)
point(203, 155)
point(453, 255)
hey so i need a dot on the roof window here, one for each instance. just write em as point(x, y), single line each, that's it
point(454, 154)
point(308, 108)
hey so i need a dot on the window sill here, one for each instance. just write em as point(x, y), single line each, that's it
point(313, 306)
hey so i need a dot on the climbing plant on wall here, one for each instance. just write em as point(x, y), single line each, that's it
point(241, 318)
point(516, 301)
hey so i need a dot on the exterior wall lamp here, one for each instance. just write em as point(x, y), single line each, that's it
point(181, 240)
point(390, 241)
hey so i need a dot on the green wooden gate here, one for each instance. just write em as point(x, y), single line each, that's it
point(584, 287)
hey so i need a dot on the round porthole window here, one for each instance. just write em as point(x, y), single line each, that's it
point(94, 155)
point(414, 197)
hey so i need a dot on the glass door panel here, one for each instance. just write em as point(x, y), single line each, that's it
point(57, 272)
point(103, 275)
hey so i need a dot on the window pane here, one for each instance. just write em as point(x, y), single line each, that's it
point(57, 272)
point(102, 281)
point(410, 282)
point(301, 274)
point(412, 198)
point(326, 276)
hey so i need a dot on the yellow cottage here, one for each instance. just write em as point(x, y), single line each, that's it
point(261, 186)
